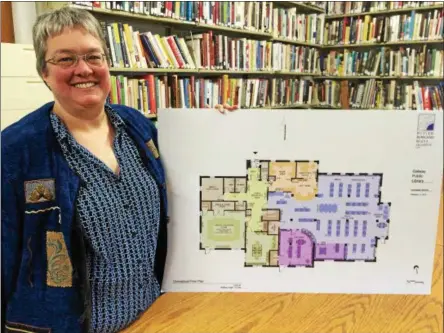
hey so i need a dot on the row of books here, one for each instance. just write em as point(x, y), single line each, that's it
point(130, 48)
point(383, 61)
point(218, 51)
point(292, 58)
point(211, 51)
point(296, 92)
point(290, 24)
point(357, 7)
point(139, 93)
point(394, 28)
point(252, 16)
point(149, 93)
point(395, 96)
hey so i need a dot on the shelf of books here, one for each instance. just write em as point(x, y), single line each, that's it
point(304, 6)
point(343, 9)
point(387, 55)
point(273, 54)
point(374, 30)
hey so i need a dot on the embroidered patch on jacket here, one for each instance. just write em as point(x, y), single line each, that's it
point(17, 327)
point(40, 190)
point(152, 147)
point(59, 271)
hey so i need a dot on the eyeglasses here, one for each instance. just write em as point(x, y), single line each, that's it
point(68, 59)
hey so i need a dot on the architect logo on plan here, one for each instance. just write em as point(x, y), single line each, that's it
point(286, 213)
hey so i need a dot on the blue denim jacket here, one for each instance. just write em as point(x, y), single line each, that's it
point(44, 284)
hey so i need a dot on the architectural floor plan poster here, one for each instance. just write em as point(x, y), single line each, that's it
point(302, 201)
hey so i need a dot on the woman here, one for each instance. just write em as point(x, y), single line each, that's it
point(84, 205)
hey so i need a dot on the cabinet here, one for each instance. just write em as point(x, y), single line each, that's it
point(23, 90)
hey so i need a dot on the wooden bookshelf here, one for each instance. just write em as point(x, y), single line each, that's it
point(282, 107)
point(298, 106)
point(292, 106)
point(210, 71)
point(322, 50)
point(305, 8)
point(174, 22)
point(415, 42)
point(152, 70)
point(191, 71)
point(325, 107)
point(150, 18)
point(417, 78)
point(198, 25)
point(372, 44)
point(378, 77)
point(201, 26)
point(295, 42)
point(384, 12)
point(233, 72)
point(236, 31)
point(291, 73)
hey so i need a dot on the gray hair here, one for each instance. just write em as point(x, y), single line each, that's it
point(54, 22)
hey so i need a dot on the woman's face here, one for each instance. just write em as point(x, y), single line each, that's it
point(81, 86)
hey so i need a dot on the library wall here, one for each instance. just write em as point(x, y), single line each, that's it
point(278, 54)
point(337, 55)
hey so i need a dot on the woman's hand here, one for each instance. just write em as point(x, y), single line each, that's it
point(223, 108)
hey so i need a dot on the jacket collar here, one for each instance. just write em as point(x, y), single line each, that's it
point(39, 121)
point(62, 133)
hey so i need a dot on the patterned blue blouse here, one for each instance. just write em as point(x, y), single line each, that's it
point(119, 214)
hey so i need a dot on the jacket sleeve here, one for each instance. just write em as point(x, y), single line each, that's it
point(10, 235)
point(162, 239)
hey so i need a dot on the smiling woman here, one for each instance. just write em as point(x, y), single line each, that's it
point(72, 60)
point(84, 202)
point(83, 195)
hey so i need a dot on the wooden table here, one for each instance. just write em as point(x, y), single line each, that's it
point(297, 313)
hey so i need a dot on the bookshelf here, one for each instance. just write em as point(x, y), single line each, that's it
point(278, 54)
point(363, 77)
point(386, 55)
point(407, 9)
point(369, 45)
point(304, 7)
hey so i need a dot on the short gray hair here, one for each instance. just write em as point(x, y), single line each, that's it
point(54, 22)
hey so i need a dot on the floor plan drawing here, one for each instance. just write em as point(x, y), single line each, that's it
point(302, 202)
point(288, 214)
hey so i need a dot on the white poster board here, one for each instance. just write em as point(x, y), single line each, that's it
point(315, 201)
